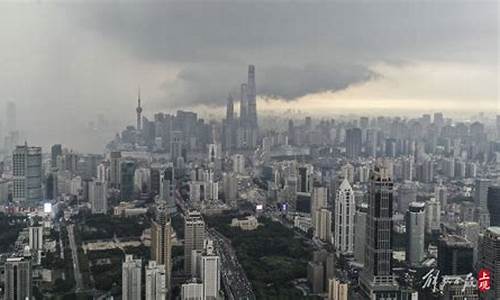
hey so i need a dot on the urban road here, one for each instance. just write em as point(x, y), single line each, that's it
point(74, 256)
point(235, 281)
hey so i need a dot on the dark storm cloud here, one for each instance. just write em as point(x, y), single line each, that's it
point(210, 85)
point(295, 46)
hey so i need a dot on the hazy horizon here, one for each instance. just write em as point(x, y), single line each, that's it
point(65, 64)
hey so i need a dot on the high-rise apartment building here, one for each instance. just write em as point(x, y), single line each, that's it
point(131, 278)
point(210, 274)
point(194, 234)
point(319, 200)
point(155, 288)
point(432, 216)
point(35, 234)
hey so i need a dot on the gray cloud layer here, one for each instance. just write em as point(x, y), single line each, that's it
point(297, 47)
point(65, 63)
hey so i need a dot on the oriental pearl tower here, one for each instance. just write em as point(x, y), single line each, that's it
point(139, 111)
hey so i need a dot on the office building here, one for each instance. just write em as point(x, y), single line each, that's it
point(407, 193)
point(415, 233)
point(131, 278)
point(161, 243)
point(18, 283)
point(168, 188)
point(155, 287)
point(489, 253)
point(27, 175)
point(98, 197)
point(305, 180)
point(360, 233)
point(230, 189)
point(194, 234)
point(115, 168)
point(377, 280)
point(127, 172)
point(55, 152)
point(493, 201)
point(345, 209)
point(481, 193)
point(353, 143)
point(455, 255)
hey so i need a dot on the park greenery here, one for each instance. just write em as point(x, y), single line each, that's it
point(95, 227)
point(272, 256)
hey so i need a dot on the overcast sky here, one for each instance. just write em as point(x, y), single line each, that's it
point(63, 64)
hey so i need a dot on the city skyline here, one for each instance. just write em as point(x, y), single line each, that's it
point(90, 58)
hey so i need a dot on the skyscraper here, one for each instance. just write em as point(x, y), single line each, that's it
point(415, 232)
point(35, 237)
point(27, 173)
point(194, 234)
point(167, 188)
point(432, 216)
point(494, 204)
point(161, 244)
point(353, 142)
point(229, 127)
point(323, 231)
point(319, 199)
point(360, 233)
point(455, 255)
point(252, 95)
point(345, 208)
point(243, 105)
point(114, 171)
point(489, 252)
point(127, 172)
point(18, 279)
point(210, 273)
point(155, 281)
point(98, 197)
point(55, 152)
point(377, 279)
point(131, 278)
point(481, 193)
